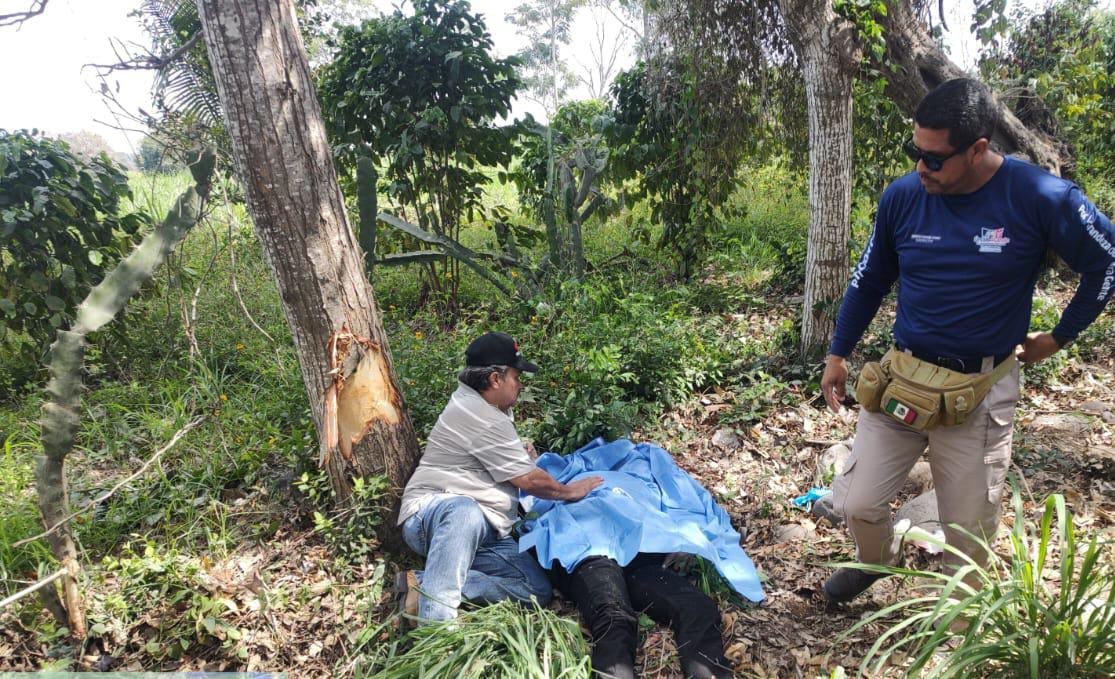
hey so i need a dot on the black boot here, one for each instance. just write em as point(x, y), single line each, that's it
point(848, 583)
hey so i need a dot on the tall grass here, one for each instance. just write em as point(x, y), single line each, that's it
point(1047, 610)
point(502, 641)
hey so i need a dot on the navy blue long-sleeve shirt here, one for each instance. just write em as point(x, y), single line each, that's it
point(967, 264)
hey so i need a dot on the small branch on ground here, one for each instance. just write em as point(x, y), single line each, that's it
point(98, 500)
point(33, 588)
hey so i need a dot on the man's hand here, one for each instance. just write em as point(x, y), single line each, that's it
point(541, 485)
point(530, 450)
point(581, 487)
point(680, 562)
point(1038, 347)
point(834, 382)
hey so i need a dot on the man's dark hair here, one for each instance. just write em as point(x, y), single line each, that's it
point(479, 377)
point(964, 107)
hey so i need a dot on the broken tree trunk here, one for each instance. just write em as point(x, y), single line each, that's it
point(917, 65)
point(284, 161)
point(60, 412)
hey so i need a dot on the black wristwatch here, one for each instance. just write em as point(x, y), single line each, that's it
point(1061, 340)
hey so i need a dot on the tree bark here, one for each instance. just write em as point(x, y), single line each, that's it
point(918, 65)
point(285, 164)
point(830, 54)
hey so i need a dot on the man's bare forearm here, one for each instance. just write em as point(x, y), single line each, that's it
point(541, 485)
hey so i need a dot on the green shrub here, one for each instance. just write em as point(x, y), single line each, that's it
point(614, 351)
point(619, 350)
point(61, 229)
point(1048, 610)
point(350, 532)
point(773, 232)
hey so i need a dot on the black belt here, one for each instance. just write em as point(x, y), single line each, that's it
point(960, 365)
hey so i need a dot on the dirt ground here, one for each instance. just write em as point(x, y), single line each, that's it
point(299, 611)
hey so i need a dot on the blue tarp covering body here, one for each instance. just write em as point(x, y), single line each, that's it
point(646, 504)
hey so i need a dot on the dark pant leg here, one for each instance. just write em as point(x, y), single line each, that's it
point(499, 571)
point(597, 588)
point(670, 599)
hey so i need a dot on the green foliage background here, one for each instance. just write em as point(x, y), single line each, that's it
point(63, 224)
point(643, 336)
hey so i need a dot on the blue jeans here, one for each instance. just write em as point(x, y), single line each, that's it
point(465, 558)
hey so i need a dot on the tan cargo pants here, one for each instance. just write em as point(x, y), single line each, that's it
point(969, 464)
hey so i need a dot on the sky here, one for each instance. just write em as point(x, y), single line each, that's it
point(45, 83)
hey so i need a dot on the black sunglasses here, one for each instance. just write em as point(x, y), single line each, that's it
point(933, 161)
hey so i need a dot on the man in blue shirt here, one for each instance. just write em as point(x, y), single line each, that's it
point(965, 236)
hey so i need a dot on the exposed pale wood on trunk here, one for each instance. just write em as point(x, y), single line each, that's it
point(284, 161)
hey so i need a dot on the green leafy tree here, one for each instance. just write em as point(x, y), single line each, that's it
point(1056, 69)
point(547, 26)
point(420, 94)
point(153, 156)
point(576, 125)
point(684, 155)
point(61, 228)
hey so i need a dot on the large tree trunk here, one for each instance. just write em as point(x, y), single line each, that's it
point(830, 54)
point(919, 65)
point(284, 161)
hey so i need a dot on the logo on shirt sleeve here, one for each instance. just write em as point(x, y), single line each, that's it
point(991, 240)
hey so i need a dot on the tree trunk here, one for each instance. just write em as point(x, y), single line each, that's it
point(285, 164)
point(918, 65)
point(830, 54)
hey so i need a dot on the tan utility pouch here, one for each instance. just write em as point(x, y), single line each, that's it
point(869, 387)
point(921, 395)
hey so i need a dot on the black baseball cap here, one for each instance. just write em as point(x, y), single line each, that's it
point(497, 348)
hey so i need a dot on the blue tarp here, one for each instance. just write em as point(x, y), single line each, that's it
point(646, 504)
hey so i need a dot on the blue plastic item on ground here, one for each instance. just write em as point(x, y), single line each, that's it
point(646, 504)
point(814, 494)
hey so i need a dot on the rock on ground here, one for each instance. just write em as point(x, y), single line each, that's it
point(921, 512)
point(1061, 424)
point(725, 438)
point(920, 479)
point(832, 461)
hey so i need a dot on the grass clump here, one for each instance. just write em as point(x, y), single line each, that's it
point(1048, 610)
point(502, 641)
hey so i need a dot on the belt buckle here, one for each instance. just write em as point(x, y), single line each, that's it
point(949, 363)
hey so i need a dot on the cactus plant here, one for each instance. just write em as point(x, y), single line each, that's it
point(60, 418)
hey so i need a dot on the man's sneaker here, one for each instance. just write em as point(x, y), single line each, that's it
point(406, 593)
point(848, 583)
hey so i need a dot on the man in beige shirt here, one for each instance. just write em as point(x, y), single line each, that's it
point(459, 505)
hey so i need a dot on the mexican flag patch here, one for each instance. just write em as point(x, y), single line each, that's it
point(901, 411)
